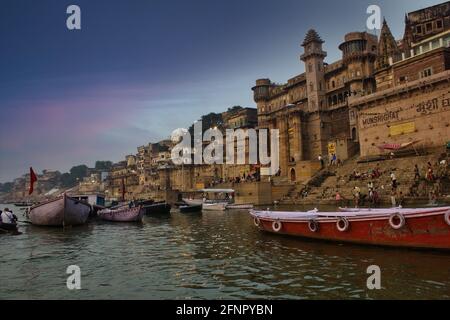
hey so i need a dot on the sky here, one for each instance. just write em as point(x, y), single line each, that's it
point(138, 69)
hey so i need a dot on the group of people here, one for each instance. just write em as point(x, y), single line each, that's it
point(333, 160)
point(374, 173)
point(8, 217)
point(246, 177)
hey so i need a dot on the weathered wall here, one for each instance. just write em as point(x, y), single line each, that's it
point(421, 115)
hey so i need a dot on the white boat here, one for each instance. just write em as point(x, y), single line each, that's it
point(61, 212)
point(192, 202)
point(239, 206)
point(220, 206)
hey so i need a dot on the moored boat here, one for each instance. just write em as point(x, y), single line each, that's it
point(192, 202)
point(9, 228)
point(368, 209)
point(157, 208)
point(239, 206)
point(219, 206)
point(191, 208)
point(23, 204)
point(414, 228)
point(60, 212)
point(123, 214)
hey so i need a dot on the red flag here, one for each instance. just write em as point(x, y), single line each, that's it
point(33, 179)
point(123, 189)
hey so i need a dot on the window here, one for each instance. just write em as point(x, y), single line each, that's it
point(429, 26)
point(419, 29)
point(426, 73)
point(333, 84)
point(439, 24)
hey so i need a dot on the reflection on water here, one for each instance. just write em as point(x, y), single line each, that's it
point(215, 255)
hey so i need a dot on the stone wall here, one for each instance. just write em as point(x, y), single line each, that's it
point(419, 112)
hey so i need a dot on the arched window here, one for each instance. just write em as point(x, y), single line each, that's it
point(293, 175)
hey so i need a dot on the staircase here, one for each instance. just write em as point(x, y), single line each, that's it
point(322, 188)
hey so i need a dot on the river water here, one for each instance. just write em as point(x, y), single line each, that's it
point(214, 255)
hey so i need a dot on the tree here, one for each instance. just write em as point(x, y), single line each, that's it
point(6, 187)
point(79, 172)
point(67, 180)
point(103, 165)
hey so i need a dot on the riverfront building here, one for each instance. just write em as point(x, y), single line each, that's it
point(382, 91)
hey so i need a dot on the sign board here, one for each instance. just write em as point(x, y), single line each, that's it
point(331, 148)
point(199, 186)
point(403, 128)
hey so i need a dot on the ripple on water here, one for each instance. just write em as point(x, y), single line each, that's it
point(213, 255)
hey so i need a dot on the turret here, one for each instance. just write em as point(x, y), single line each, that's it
point(359, 51)
point(313, 59)
point(261, 90)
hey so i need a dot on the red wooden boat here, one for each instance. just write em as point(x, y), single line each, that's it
point(426, 228)
point(122, 214)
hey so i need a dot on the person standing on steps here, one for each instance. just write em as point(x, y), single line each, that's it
point(416, 172)
point(320, 158)
point(393, 198)
point(393, 180)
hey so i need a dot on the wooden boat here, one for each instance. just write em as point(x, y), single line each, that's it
point(63, 211)
point(189, 209)
point(123, 214)
point(9, 228)
point(23, 204)
point(368, 209)
point(414, 228)
point(239, 206)
point(145, 202)
point(219, 206)
point(157, 208)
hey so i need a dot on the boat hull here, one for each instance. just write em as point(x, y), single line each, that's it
point(429, 230)
point(8, 228)
point(63, 211)
point(214, 206)
point(157, 209)
point(192, 202)
point(122, 215)
point(190, 209)
point(239, 206)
